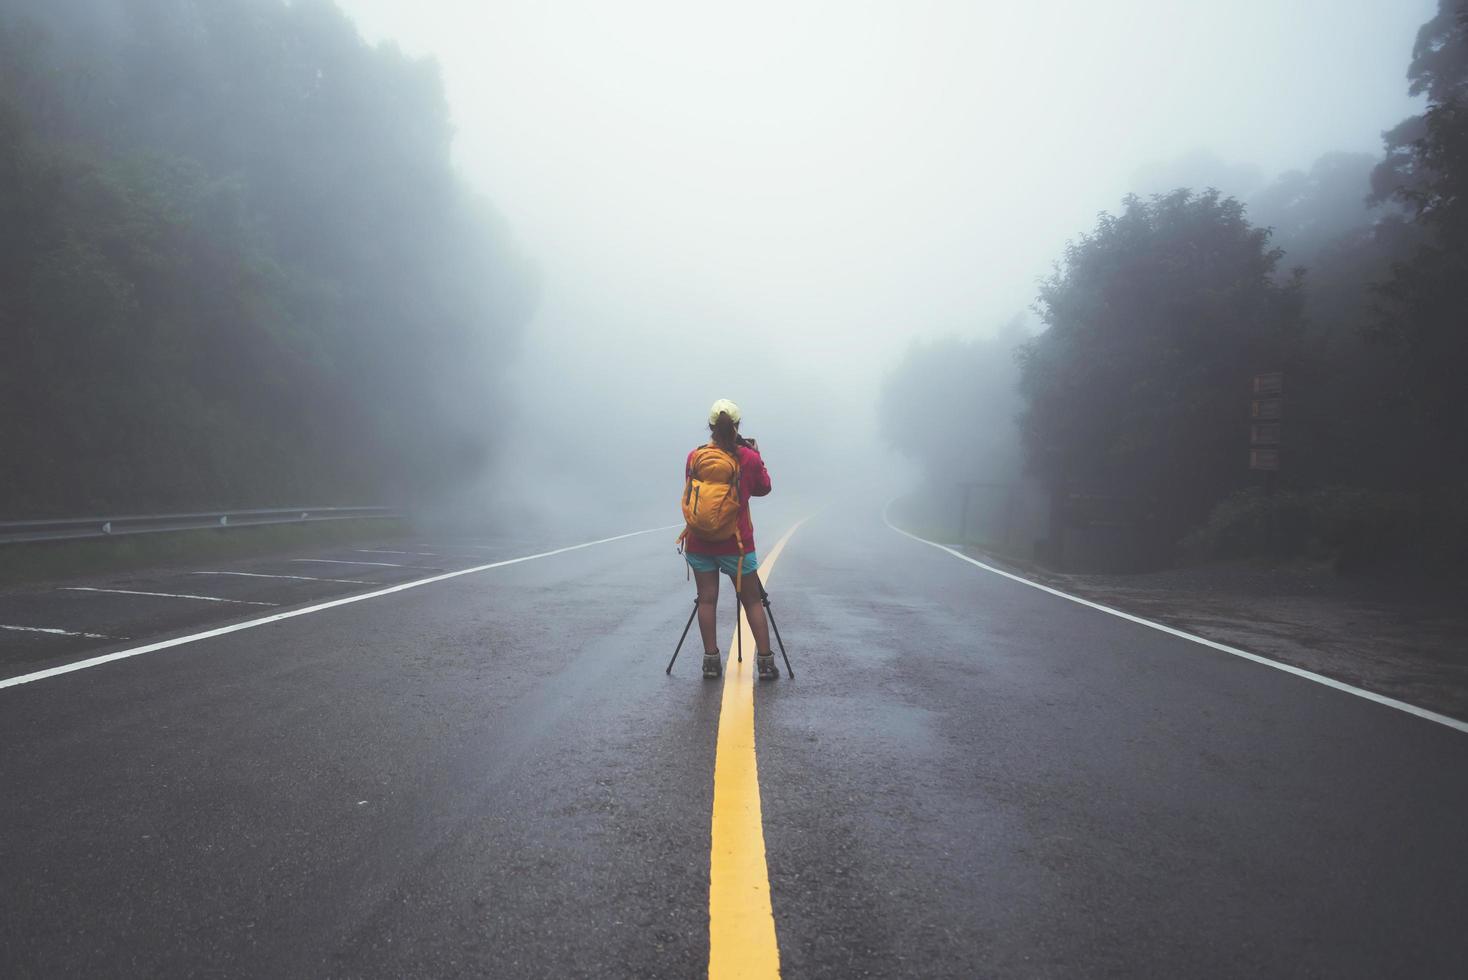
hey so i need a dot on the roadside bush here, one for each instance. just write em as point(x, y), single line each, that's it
point(1352, 527)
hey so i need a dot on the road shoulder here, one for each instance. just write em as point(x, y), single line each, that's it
point(1397, 639)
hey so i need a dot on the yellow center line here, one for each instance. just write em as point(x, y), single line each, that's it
point(741, 920)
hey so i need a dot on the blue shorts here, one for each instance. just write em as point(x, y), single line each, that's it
point(721, 563)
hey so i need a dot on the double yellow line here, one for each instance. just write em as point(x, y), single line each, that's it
point(741, 920)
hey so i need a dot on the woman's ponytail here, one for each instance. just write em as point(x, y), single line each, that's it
point(726, 437)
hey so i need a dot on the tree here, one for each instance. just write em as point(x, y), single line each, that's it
point(236, 265)
point(1438, 69)
point(1156, 321)
point(1422, 316)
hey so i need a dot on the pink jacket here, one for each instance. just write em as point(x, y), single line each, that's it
point(754, 481)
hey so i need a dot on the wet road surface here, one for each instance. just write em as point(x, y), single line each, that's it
point(490, 775)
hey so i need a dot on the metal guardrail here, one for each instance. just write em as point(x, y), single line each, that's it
point(75, 528)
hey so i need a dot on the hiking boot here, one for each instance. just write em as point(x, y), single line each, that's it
point(712, 668)
point(765, 662)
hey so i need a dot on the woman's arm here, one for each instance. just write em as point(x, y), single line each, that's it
point(756, 477)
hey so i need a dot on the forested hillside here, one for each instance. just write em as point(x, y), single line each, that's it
point(236, 265)
point(1350, 279)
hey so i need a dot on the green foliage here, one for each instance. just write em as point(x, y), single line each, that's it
point(1352, 527)
point(1156, 322)
point(1374, 389)
point(1349, 277)
point(1438, 69)
point(1421, 319)
point(236, 266)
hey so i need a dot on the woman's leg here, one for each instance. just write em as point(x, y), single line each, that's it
point(754, 608)
point(708, 609)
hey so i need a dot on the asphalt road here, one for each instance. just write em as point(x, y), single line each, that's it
point(491, 775)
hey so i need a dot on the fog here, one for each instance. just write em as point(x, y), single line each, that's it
point(769, 202)
point(501, 257)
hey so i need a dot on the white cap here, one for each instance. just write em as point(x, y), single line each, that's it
point(723, 405)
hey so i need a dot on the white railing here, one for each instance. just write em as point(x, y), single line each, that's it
point(68, 528)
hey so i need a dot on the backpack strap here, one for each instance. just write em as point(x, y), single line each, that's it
point(687, 492)
point(736, 484)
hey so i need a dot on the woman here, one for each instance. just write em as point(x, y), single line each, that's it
point(735, 555)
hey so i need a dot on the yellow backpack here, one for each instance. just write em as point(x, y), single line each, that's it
point(711, 499)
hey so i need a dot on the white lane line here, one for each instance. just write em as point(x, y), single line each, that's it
point(167, 595)
point(57, 632)
point(339, 561)
point(384, 551)
point(1331, 682)
point(297, 578)
point(307, 610)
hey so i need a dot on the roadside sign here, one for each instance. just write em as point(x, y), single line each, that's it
point(1266, 409)
point(1264, 459)
point(1270, 383)
point(1264, 434)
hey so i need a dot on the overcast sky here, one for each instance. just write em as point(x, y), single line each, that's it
point(816, 182)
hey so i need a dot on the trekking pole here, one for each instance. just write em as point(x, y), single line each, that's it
point(770, 613)
point(684, 636)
